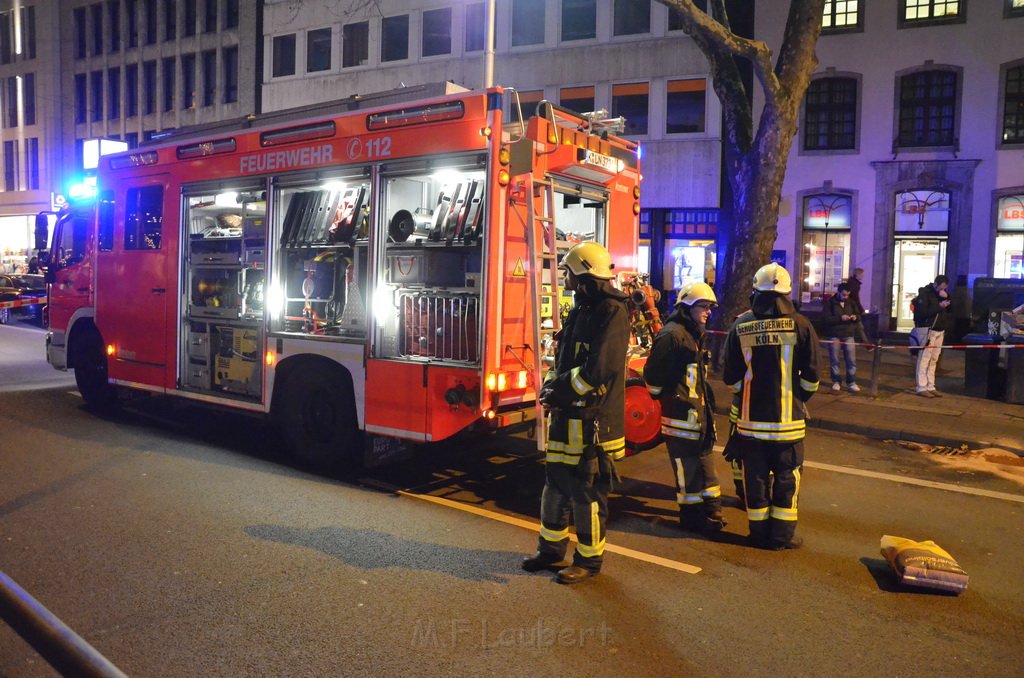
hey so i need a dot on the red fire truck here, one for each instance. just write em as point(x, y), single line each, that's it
point(356, 271)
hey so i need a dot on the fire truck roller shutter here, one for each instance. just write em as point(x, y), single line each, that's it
point(314, 409)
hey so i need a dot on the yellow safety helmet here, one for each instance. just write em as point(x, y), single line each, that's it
point(773, 278)
point(588, 258)
point(694, 292)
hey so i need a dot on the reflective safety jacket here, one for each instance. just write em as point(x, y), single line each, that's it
point(771, 361)
point(676, 375)
point(587, 384)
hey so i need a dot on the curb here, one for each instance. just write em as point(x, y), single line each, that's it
point(912, 436)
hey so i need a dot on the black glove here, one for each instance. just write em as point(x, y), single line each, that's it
point(589, 465)
point(733, 450)
point(546, 395)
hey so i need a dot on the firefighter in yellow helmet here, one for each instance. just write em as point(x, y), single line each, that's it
point(676, 375)
point(585, 396)
point(771, 361)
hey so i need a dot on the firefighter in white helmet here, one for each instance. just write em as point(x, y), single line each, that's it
point(585, 394)
point(771, 361)
point(676, 375)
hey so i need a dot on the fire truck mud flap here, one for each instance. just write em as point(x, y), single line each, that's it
point(643, 417)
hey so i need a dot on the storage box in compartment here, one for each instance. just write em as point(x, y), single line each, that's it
point(215, 293)
point(199, 342)
point(216, 251)
point(441, 326)
point(429, 266)
point(237, 365)
point(197, 375)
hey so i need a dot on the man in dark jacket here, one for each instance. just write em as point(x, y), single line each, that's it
point(585, 393)
point(932, 317)
point(676, 375)
point(771, 361)
point(841, 317)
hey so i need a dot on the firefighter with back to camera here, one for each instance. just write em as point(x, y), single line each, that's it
point(771, 361)
point(585, 396)
point(676, 375)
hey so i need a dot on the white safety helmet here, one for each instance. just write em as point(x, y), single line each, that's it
point(696, 291)
point(773, 278)
point(588, 258)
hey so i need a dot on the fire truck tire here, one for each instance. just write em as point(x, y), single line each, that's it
point(643, 417)
point(317, 419)
point(91, 372)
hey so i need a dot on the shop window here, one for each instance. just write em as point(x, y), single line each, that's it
point(685, 106)
point(284, 56)
point(579, 99)
point(631, 102)
point(527, 22)
point(932, 12)
point(394, 38)
point(830, 114)
point(1009, 254)
point(841, 16)
point(527, 103)
point(437, 32)
point(825, 246)
point(579, 20)
point(1013, 8)
point(143, 218)
point(355, 44)
point(689, 248)
point(1013, 105)
point(318, 50)
point(631, 17)
point(927, 109)
point(476, 18)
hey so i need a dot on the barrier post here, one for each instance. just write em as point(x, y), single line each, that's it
point(876, 368)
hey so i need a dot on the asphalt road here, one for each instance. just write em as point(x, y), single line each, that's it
point(179, 543)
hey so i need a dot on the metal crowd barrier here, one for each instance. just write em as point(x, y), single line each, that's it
point(62, 648)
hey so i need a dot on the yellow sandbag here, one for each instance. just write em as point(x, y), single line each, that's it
point(924, 564)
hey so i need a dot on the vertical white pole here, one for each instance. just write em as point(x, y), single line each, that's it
point(489, 46)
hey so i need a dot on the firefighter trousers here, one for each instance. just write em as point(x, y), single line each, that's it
point(584, 492)
point(771, 480)
point(697, 490)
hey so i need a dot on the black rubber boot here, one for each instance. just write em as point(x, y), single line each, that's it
point(540, 561)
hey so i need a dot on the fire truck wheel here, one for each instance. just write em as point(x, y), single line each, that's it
point(643, 417)
point(91, 373)
point(318, 419)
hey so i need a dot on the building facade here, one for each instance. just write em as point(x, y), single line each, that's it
point(75, 70)
point(629, 57)
point(909, 160)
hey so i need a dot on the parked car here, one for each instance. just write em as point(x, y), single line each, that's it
point(22, 287)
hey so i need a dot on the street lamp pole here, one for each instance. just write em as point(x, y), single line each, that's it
point(489, 46)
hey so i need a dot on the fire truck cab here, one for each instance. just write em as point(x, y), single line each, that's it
point(358, 271)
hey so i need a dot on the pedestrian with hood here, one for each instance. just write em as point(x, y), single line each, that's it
point(932, 317)
point(585, 396)
point(676, 375)
point(771, 361)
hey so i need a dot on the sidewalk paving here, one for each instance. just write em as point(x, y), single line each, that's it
point(897, 413)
